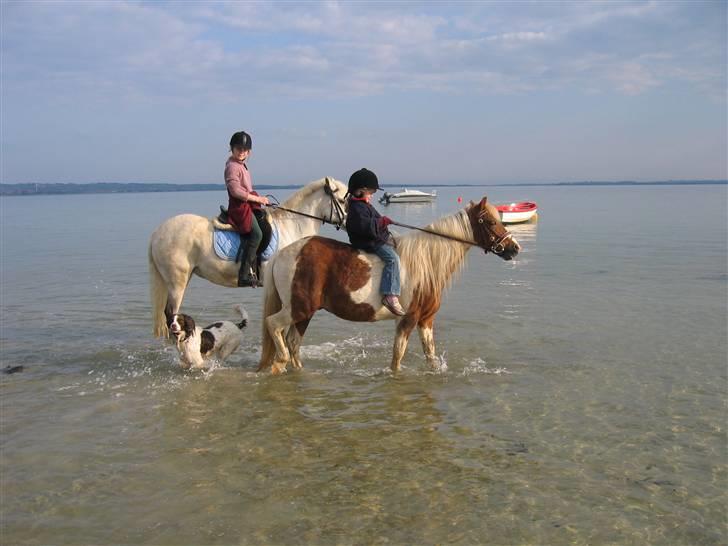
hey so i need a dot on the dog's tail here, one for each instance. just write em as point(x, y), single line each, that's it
point(243, 315)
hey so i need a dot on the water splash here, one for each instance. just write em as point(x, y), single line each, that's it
point(479, 366)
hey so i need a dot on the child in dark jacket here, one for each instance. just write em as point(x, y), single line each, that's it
point(368, 231)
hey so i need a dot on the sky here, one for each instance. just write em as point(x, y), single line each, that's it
point(418, 92)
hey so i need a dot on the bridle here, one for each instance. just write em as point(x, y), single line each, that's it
point(497, 243)
point(335, 207)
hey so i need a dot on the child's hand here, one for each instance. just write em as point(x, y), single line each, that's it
point(386, 220)
point(263, 200)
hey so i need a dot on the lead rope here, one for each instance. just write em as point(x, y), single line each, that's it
point(497, 246)
point(445, 235)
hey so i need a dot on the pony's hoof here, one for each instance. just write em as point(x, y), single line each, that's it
point(278, 369)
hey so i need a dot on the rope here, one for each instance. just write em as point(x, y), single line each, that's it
point(276, 205)
point(445, 235)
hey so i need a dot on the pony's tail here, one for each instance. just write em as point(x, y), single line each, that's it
point(158, 296)
point(271, 305)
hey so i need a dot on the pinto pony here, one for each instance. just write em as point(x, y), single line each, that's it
point(183, 245)
point(319, 273)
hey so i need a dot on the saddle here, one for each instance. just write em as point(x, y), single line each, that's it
point(222, 222)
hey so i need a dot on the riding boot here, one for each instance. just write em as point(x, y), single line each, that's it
point(258, 270)
point(246, 275)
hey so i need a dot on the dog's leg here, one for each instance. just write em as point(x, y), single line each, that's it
point(229, 348)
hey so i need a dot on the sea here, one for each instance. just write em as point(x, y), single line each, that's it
point(583, 400)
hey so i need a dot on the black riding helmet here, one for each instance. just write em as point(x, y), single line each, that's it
point(363, 178)
point(241, 139)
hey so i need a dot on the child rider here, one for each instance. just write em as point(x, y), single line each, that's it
point(241, 197)
point(368, 231)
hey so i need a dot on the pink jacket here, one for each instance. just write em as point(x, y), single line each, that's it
point(237, 179)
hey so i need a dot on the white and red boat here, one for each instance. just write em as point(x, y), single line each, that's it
point(517, 213)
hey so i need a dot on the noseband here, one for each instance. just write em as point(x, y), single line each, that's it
point(498, 246)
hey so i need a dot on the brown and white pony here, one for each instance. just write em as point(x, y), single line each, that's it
point(183, 245)
point(319, 273)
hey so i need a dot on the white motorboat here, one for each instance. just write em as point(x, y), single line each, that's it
point(408, 196)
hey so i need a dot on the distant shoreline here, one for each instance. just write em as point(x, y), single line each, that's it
point(110, 187)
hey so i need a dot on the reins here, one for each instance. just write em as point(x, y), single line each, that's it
point(334, 205)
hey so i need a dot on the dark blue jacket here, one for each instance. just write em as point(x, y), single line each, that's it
point(364, 225)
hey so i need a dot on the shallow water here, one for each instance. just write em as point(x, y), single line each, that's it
point(584, 400)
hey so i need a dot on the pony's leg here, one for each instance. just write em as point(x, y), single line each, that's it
point(293, 339)
point(424, 328)
point(176, 287)
point(401, 337)
point(277, 324)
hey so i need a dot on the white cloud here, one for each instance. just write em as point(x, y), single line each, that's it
point(519, 37)
point(185, 50)
point(631, 78)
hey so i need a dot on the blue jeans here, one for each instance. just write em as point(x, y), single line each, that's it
point(390, 274)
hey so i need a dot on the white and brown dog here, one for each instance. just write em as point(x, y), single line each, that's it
point(197, 345)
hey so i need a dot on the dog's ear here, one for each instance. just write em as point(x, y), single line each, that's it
point(188, 325)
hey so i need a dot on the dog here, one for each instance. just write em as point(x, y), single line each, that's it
point(197, 345)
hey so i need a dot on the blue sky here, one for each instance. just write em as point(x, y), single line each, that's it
point(430, 92)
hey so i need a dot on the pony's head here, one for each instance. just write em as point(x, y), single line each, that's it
point(324, 199)
point(489, 232)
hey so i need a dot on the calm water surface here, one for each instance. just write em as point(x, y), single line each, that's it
point(584, 401)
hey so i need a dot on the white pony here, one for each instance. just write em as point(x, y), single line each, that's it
point(183, 245)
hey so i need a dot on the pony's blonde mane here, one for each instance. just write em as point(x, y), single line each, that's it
point(432, 261)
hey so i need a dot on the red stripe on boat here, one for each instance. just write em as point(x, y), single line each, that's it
point(524, 206)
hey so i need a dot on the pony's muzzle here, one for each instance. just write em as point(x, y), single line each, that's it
point(508, 250)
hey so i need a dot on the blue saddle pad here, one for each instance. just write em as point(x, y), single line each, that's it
point(227, 243)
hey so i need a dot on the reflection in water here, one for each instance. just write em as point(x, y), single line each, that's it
point(314, 458)
point(527, 231)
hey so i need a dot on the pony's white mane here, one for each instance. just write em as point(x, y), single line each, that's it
point(432, 261)
point(302, 195)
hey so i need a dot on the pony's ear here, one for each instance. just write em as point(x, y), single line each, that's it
point(483, 201)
